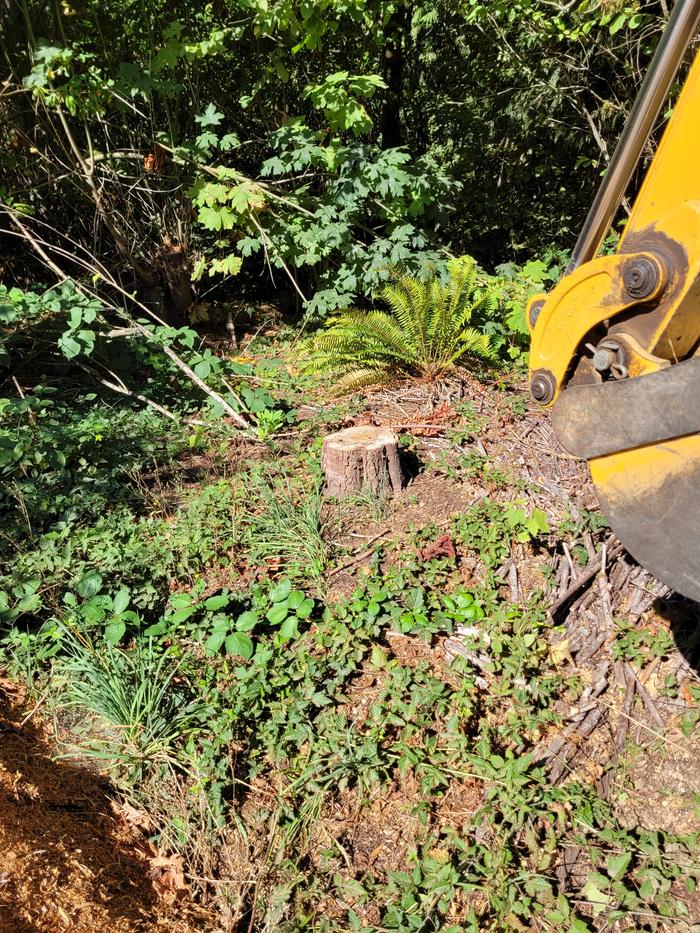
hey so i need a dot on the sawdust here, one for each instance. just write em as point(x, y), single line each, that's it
point(68, 861)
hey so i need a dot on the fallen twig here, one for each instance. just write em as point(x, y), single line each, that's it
point(587, 717)
point(36, 706)
point(358, 557)
point(593, 568)
point(514, 584)
point(119, 386)
point(648, 702)
point(581, 732)
point(604, 585)
point(623, 723)
point(421, 427)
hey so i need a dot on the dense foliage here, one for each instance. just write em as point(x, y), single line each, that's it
point(428, 327)
point(318, 143)
point(199, 203)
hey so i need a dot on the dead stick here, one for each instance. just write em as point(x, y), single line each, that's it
point(35, 708)
point(648, 702)
point(432, 427)
point(561, 765)
point(593, 568)
point(624, 718)
point(357, 557)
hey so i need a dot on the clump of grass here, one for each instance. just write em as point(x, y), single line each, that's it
point(288, 530)
point(377, 505)
point(134, 695)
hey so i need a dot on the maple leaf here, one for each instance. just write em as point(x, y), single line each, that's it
point(216, 218)
point(210, 117)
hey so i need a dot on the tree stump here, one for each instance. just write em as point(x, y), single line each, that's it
point(361, 459)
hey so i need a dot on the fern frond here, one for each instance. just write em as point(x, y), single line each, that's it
point(474, 343)
point(402, 304)
point(426, 329)
point(360, 378)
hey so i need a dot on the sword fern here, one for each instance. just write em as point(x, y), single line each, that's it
point(425, 331)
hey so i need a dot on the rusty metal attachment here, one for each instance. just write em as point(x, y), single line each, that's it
point(542, 386)
point(640, 277)
point(610, 356)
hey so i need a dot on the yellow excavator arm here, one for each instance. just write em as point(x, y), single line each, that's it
point(616, 344)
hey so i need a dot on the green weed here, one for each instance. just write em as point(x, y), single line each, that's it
point(135, 694)
point(490, 528)
point(226, 621)
point(640, 645)
point(287, 531)
point(376, 506)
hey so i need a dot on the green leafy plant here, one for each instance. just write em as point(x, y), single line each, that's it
point(91, 608)
point(269, 421)
point(134, 693)
point(338, 97)
point(509, 330)
point(223, 621)
point(490, 528)
point(287, 533)
point(640, 645)
point(425, 332)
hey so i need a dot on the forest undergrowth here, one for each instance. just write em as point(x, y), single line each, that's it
point(332, 716)
point(228, 701)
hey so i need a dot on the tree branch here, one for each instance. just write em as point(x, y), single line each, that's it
point(38, 246)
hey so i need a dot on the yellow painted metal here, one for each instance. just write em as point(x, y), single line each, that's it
point(672, 178)
point(651, 494)
point(639, 473)
point(666, 216)
point(591, 294)
point(640, 363)
point(671, 331)
point(650, 497)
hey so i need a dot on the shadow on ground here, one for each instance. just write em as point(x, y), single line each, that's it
point(66, 861)
point(683, 617)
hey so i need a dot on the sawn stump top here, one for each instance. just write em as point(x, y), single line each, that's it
point(366, 436)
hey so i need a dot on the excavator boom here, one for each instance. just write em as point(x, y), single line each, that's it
point(616, 344)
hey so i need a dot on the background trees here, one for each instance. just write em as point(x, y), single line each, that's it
point(179, 145)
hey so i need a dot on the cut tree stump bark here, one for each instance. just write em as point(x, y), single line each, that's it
point(361, 459)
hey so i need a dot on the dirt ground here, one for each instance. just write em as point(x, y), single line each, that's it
point(68, 860)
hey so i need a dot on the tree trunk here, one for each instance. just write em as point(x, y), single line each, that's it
point(174, 264)
point(392, 72)
point(361, 459)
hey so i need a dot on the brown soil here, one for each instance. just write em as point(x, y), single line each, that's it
point(68, 862)
point(666, 788)
point(377, 834)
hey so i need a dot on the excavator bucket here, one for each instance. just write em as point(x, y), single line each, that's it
point(650, 498)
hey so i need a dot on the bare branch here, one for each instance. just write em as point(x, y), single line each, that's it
point(41, 247)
